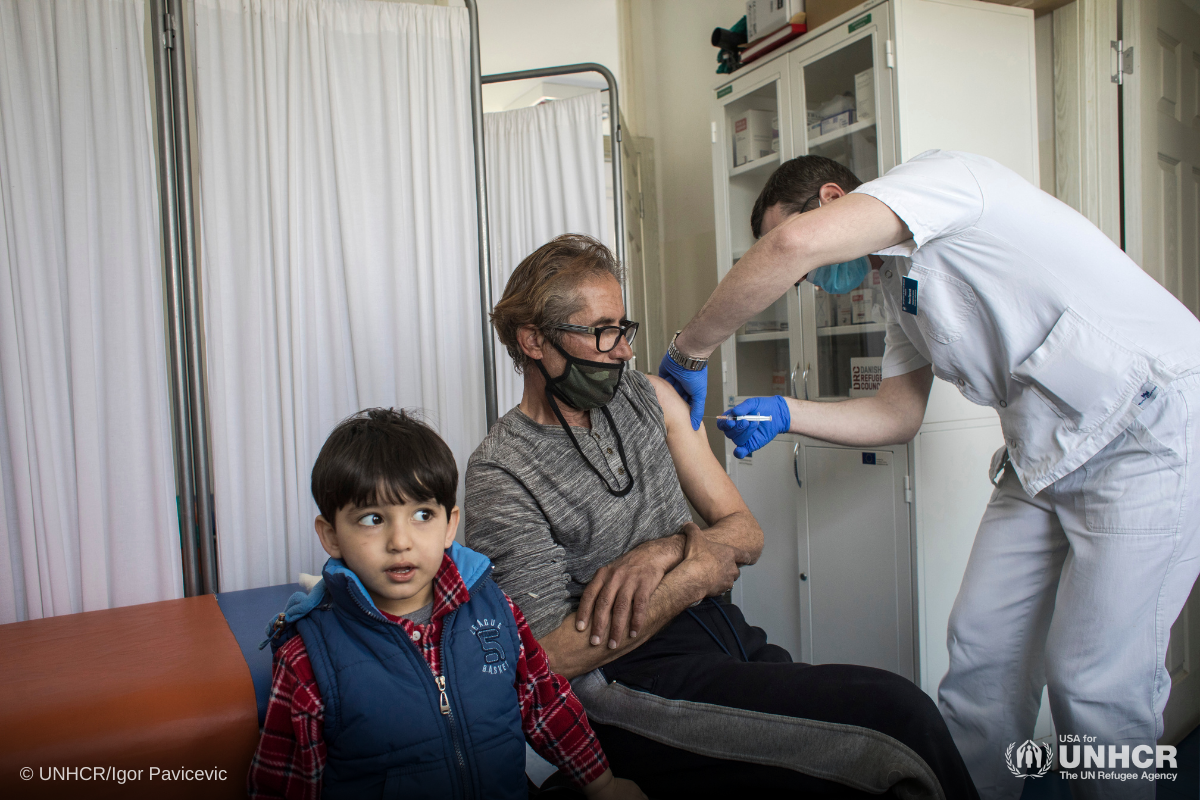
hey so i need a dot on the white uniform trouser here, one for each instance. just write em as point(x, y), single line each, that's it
point(1076, 589)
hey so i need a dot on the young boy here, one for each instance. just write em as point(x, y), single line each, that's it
point(406, 672)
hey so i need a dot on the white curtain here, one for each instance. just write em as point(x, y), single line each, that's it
point(338, 248)
point(88, 517)
point(545, 177)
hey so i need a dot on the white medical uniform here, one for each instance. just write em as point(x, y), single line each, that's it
point(1089, 546)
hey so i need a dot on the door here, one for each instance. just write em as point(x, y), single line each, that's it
point(855, 558)
point(1161, 100)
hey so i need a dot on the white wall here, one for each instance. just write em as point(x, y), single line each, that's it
point(670, 90)
point(529, 34)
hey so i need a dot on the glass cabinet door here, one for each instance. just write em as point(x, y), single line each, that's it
point(758, 359)
point(843, 92)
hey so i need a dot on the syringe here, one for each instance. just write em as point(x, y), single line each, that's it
point(744, 418)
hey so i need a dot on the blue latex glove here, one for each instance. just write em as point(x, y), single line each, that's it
point(692, 385)
point(749, 436)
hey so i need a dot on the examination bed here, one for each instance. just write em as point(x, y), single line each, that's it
point(179, 684)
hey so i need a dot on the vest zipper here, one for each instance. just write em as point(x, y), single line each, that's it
point(444, 703)
point(440, 682)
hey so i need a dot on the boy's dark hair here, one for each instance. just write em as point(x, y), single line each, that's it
point(795, 183)
point(381, 455)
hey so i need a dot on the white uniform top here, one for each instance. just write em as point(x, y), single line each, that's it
point(1027, 307)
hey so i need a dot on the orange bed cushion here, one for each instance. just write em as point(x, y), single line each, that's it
point(160, 685)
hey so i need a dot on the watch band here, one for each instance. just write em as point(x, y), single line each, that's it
point(687, 362)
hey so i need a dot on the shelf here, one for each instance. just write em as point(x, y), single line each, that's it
point(838, 134)
point(846, 330)
point(764, 336)
point(756, 164)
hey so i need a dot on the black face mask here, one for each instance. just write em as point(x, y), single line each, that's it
point(586, 385)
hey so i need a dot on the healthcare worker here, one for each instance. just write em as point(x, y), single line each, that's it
point(1088, 548)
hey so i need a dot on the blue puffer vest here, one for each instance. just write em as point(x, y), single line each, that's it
point(390, 731)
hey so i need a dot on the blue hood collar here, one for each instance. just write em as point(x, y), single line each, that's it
point(472, 566)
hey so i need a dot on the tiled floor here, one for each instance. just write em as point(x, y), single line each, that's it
point(1185, 787)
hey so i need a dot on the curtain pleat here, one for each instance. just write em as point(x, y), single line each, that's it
point(338, 248)
point(88, 516)
point(545, 177)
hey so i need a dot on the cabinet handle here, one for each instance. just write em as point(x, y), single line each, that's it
point(792, 379)
point(805, 380)
point(803, 576)
point(796, 464)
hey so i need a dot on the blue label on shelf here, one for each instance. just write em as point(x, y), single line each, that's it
point(908, 297)
point(868, 458)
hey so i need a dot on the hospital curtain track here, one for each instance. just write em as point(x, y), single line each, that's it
point(545, 177)
point(338, 246)
point(87, 490)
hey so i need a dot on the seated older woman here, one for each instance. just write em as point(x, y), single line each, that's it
point(579, 496)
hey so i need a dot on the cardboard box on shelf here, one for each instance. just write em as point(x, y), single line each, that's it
point(767, 16)
point(825, 314)
point(751, 136)
point(837, 122)
point(821, 11)
point(864, 95)
point(860, 305)
point(877, 314)
point(845, 309)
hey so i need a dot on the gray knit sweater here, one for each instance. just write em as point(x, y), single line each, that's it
point(545, 519)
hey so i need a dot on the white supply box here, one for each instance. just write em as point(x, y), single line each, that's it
point(838, 121)
point(845, 309)
point(767, 16)
point(865, 374)
point(864, 96)
point(752, 136)
point(860, 305)
point(825, 315)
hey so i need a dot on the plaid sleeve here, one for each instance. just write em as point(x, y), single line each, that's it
point(290, 757)
point(552, 716)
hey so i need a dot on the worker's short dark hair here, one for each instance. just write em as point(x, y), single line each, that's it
point(795, 183)
point(381, 455)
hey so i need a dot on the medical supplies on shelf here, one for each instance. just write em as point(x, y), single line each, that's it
point(864, 96)
point(755, 136)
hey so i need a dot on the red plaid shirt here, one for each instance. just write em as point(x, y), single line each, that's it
point(290, 758)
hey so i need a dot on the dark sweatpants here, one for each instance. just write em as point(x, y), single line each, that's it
point(685, 662)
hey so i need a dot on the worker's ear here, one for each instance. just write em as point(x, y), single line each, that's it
point(830, 192)
point(531, 341)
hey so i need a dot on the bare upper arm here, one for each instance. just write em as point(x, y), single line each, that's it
point(701, 475)
point(844, 229)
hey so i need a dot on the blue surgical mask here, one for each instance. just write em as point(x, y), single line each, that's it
point(841, 278)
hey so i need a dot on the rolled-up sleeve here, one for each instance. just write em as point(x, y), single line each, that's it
point(505, 523)
point(900, 355)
